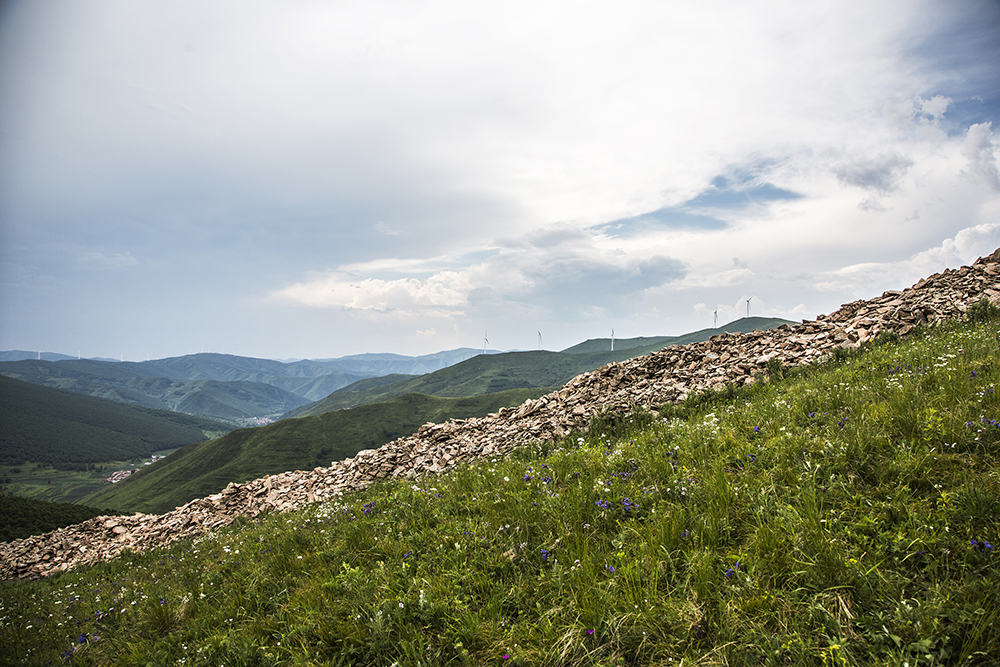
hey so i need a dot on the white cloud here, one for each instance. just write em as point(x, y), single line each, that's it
point(100, 261)
point(381, 168)
point(861, 279)
point(981, 153)
point(555, 269)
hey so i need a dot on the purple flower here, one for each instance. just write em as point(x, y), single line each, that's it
point(590, 632)
point(609, 568)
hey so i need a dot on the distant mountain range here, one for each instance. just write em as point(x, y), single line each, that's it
point(220, 386)
point(247, 391)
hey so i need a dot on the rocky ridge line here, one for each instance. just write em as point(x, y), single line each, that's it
point(667, 376)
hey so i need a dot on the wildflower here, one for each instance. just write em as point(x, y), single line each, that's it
point(609, 568)
point(590, 632)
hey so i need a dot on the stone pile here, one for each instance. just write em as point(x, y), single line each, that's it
point(667, 376)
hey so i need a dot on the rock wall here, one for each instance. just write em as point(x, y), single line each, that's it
point(662, 377)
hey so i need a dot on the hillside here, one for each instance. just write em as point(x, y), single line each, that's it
point(844, 514)
point(650, 344)
point(69, 431)
point(484, 374)
point(162, 387)
point(236, 389)
point(21, 517)
point(207, 467)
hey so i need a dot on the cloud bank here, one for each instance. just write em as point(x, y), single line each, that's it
point(323, 179)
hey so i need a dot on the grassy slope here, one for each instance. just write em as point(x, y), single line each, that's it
point(485, 374)
point(21, 517)
point(63, 429)
point(840, 517)
point(742, 325)
point(295, 444)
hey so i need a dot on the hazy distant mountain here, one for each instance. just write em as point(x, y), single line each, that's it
point(19, 355)
point(197, 383)
point(371, 365)
point(138, 384)
point(742, 325)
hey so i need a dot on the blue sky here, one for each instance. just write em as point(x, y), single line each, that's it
point(312, 179)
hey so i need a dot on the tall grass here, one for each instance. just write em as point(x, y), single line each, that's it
point(841, 516)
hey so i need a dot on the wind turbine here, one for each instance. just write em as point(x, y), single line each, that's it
point(612, 339)
point(748, 306)
point(539, 340)
point(715, 314)
point(485, 341)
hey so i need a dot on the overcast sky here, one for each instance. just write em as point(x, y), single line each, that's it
point(316, 179)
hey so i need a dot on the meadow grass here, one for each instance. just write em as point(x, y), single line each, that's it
point(843, 515)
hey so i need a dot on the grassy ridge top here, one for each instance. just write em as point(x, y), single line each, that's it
point(485, 374)
point(205, 468)
point(845, 515)
point(652, 344)
point(67, 430)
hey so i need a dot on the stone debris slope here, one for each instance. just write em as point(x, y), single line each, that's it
point(667, 376)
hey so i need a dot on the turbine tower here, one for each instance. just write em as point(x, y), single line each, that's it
point(715, 314)
point(539, 340)
point(612, 339)
point(748, 306)
point(485, 341)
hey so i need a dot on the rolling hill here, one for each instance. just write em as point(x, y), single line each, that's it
point(207, 467)
point(68, 430)
point(742, 325)
point(485, 374)
point(132, 383)
point(219, 386)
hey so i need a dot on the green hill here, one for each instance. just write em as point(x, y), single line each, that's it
point(70, 431)
point(139, 384)
point(207, 467)
point(742, 325)
point(847, 514)
point(484, 374)
point(21, 517)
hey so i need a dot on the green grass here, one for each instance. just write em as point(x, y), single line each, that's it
point(41, 481)
point(836, 516)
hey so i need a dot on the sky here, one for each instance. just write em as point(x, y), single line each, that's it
point(316, 179)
